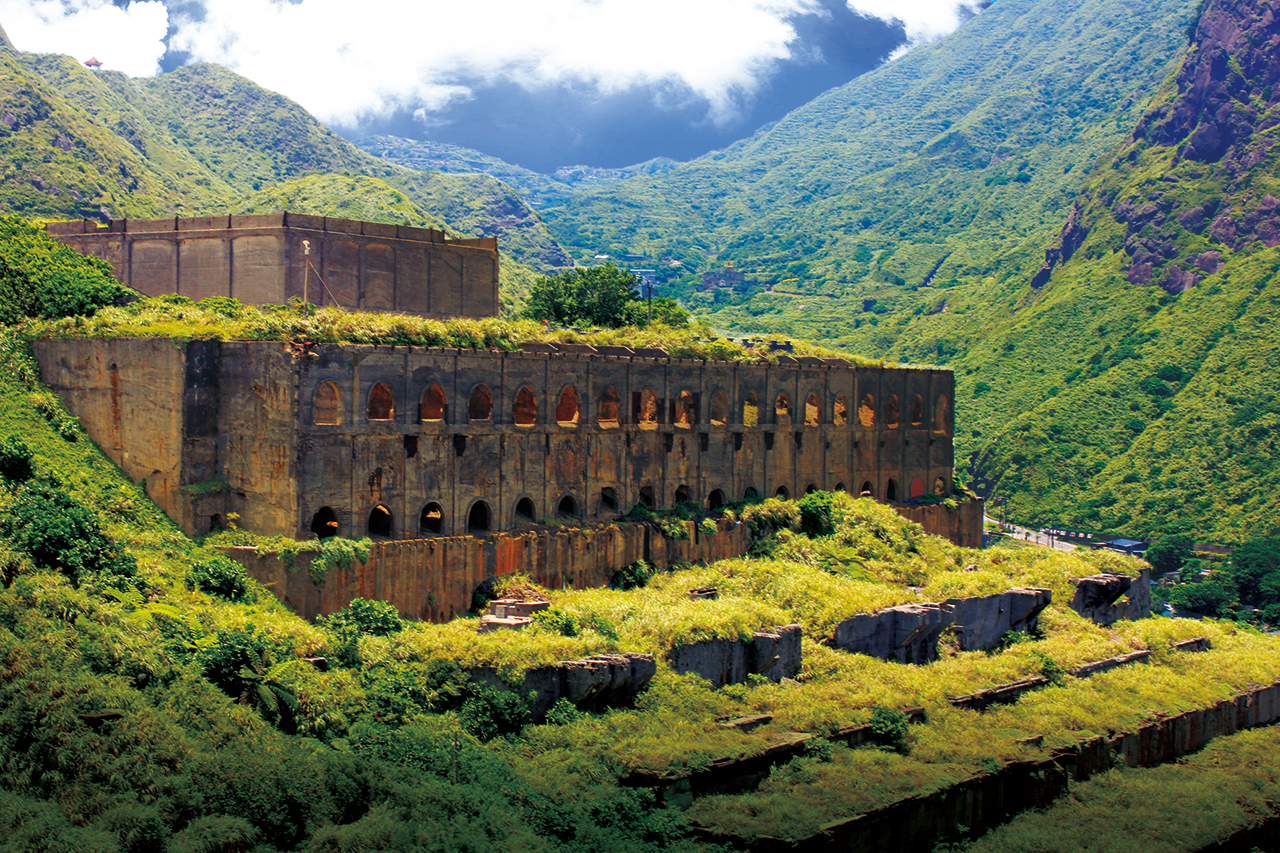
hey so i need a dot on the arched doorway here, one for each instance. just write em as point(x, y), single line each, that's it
point(431, 520)
point(567, 508)
point(382, 403)
point(525, 510)
point(326, 405)
point(381, 522)
point(324, 523)
point(891, 491)
point(478, 519)
point(715, 500)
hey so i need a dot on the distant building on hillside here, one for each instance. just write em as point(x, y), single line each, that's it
point(726, 278)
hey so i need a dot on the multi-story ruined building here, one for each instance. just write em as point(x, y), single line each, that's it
point(404, 442)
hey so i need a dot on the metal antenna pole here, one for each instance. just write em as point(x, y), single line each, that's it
point(306, 269)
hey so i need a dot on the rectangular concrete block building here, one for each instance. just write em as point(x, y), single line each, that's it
point(366, 266)
point(402, 442)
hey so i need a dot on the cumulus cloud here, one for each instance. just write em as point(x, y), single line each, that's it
point(128, 39)
point(344, 60)
point(923, 20)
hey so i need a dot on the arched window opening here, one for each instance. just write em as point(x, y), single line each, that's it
point(646, 496)
point(940, 487)
point(839, 487)
point(891, 491)
point(867, 490)
point(431, 521)
point(917, 411)
point(812, 411)
point(715, 500)
point(525, 510)
point(382, 403)
point(608, 416)
point(867, 411)
point(432, 408)
point(891, 412)
point(324, 523)
point(608, 499)
point(751, 495)
point(840, 411)
point(751, 410)
point(567, 413)
point(686, 414)
point(380, 521)
point(941, 415)
point(683, 495)
point(525, 411)
point(480, 406)
point(782, 409)
point(646, 409)
point(917, 488)
point(782, 492)
point(327, 405)
point(811, 488)
point(719, 409)
point(478, 518)
point(567, 508)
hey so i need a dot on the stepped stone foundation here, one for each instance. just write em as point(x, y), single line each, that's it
point(594, 684)
point(1097, 597)
point(773, 654)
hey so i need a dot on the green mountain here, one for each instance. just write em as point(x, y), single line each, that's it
point(1136, 389)
point(203, 140)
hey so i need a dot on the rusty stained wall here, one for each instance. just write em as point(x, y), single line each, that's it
point(129, 397)
point(434, 579)
point(962, 525)
point(359, 265)
point(403, 463)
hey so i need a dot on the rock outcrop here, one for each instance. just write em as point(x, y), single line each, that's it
point(909, 633)
point(774, 654)
point(1097, 597)
point(592, 684)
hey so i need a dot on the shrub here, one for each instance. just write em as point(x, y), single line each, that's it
point(632, 576)
point(889, 729)
point(15, 460)
point(816, 514)
point(363, 616)
point(558, 621)
point(40, 277)
point(60, 533)
point(218, 575)
point(491, 712)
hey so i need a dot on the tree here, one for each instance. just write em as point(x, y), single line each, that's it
point(598, 296)
point(1255, 566)
point(40, 277)
point(1169, 553)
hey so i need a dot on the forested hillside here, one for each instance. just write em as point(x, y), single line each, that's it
point(1136, 389)
point(203, 140)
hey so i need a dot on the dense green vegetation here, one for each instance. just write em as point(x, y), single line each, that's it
point(154, 697)
point(1232, 786)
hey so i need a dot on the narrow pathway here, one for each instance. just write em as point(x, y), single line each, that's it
point(1035, 537)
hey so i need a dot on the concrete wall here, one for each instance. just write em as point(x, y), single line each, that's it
point(434, 579)
point(358, 265)
point(962, 525)
point(252, 414)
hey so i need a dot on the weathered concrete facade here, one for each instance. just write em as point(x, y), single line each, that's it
point(400, 442)
point(259, 259)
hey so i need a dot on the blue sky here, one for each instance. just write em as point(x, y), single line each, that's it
point(543, 84)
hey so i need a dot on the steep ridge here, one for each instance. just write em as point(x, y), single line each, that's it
point(1146, 369)
point(949, 161)
point(200, 139)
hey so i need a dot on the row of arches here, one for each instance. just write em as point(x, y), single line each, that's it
point(480, 517)
point(685, 409)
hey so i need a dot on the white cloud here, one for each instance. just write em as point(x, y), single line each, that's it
point(923, 20)
point(129, 39)
point(341, 60)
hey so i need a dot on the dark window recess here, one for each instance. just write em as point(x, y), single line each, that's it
point(646, 496)
point(705, 441)
point(668, 442)
point(737, 441)
point(432, 519)
point(524, 509)
point(799, 440)
point(768, 441)
point(410, 446)
point(608, 499)
point(459, 445)
point(215, 520)
point(380, 521)
point(478, 518)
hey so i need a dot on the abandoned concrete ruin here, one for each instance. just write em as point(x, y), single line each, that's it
point(365, 266)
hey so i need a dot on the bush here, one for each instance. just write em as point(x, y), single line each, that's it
point(491, 712)
point(558, 621)
point(363, 616)
point(636, 575)
point(816, 514)
point(219, 576)
point(889, 729)
point(60, 533)
point(15, 460)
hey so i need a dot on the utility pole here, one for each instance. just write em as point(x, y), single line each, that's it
point(306, 269)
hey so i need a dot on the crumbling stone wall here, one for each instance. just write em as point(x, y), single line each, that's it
point(403, 442)
point(261, 258)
